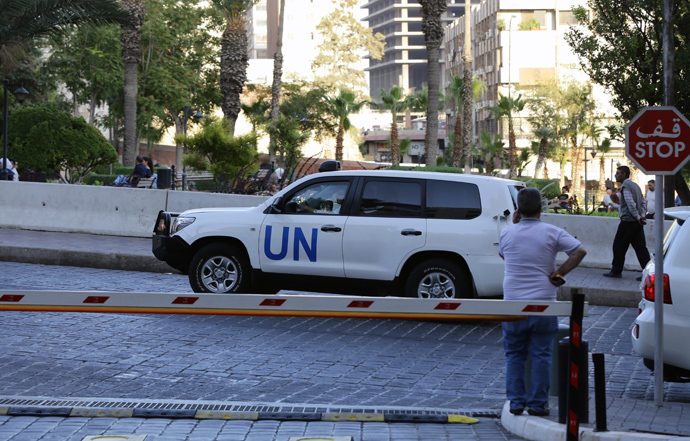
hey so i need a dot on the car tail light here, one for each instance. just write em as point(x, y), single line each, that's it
point(648, 289)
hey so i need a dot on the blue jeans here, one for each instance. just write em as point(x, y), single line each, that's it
point(533, 336)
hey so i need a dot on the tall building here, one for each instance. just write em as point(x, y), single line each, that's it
point(404, 62)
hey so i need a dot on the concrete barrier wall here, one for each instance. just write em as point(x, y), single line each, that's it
point(90, 209)
point(596, 234)
point(132, 212)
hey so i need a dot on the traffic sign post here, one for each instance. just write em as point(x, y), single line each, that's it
point(657, 141)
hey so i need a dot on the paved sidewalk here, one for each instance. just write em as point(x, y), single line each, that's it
point(628, 418)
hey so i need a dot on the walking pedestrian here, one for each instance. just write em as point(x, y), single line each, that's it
point(631, 227)
point(529, 248)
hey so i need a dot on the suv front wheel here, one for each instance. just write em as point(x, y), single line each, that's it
point(437, 279)
point(219, 268)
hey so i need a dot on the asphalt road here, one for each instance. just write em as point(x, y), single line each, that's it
point(347, 362)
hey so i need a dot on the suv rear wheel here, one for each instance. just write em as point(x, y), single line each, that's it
point(219, 268)
point(437, 279)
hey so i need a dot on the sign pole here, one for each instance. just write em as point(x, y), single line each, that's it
point(659, 292)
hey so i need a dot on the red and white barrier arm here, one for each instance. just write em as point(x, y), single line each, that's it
point(278, 305)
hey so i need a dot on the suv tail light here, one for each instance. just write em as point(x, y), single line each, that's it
point(648, 289)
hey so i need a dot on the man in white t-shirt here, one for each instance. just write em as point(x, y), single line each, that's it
point(529, 248)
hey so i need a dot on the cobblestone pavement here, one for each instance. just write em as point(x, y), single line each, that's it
point(357, 362)
point(72, 429)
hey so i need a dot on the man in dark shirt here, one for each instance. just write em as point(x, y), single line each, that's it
point(140, 169)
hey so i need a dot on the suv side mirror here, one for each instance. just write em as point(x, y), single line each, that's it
point(274, 208)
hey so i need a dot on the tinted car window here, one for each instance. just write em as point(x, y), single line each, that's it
point(452, 200)
point(320, 198)
point(391, 198)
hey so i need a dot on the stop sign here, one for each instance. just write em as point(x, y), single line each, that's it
point(657, 140)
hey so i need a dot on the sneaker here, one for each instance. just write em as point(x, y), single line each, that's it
point(535, 412)
point(614, 275)
point(517, 411)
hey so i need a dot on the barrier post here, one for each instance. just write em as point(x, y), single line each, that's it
point(574, 367)
point(599, 391)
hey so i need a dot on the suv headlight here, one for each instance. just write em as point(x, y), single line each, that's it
point(179, 223)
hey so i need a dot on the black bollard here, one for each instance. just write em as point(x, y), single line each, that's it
point(563, 365)
point(599, 391)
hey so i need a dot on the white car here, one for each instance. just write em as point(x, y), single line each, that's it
point(420, 234)
point(676, 302)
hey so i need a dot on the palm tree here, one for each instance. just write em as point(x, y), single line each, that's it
point(467, 82)
point(492, 146)
point(433, 30)
point(523, 160)
point(419, 102)
point(233, 57)
point(395, 101)
point(602, 146)
point(22, 20)
point(277, 73)
point(131, 53)
point(341, 107)
point(543, 134)
point(505, 108)
point(456, 89)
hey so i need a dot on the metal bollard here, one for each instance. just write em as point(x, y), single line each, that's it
point(554, 388)
point(563, 362)
point(599, 391)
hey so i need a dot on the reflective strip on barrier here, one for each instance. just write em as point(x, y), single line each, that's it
point(279, 305)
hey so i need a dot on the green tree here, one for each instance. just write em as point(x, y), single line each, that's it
point(522, 160)
point(506, 107)
point(290, 135)
point(233, 57)
point(433, 30)
point(88, 61)
point(394, 100)
point(621, 48)
point(343, 36)
point(276, 86)
point(229, 158)
point(21, 20)
point(341, 107)
point(577, 106)
point(179, 68)
point(46, 139)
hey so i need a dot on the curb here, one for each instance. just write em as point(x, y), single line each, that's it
point(387, 417)
point(87, 259)
point(540, 429)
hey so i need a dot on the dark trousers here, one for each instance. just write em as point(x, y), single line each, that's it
point(629, 233)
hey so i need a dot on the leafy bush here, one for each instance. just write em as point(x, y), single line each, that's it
point(49, 140)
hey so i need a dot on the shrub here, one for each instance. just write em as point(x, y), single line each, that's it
point(49, 140)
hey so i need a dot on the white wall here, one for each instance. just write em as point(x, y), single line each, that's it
point(100, 210)
point(596, 234)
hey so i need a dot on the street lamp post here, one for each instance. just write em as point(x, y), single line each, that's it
point(593, 153)
point(21, 94)
point(510, 52)
point(197, 116)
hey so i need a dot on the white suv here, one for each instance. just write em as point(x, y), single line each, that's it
point(420, 234)
point(676, 302)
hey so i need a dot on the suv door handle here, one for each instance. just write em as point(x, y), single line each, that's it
point(409, 232)
point(327, 228)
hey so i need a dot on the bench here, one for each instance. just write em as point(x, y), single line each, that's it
point(146, 182)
